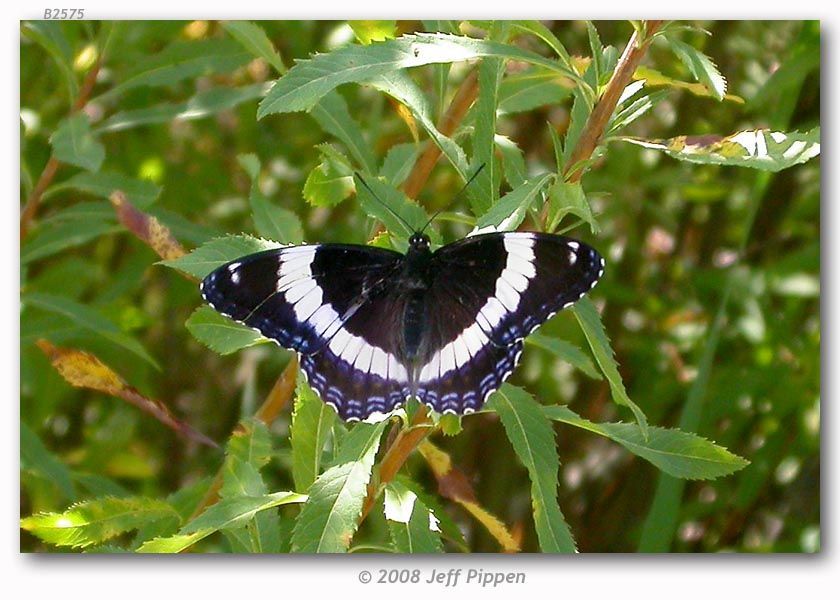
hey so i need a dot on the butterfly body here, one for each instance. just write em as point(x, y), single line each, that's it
point(374, 327)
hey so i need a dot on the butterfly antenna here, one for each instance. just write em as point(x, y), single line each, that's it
point(388, 208)
point(458, 195)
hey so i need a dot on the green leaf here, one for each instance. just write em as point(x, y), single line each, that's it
point(373, 31)
point(312, 421)
point(509, 212)
point(527, 91)
point(513, 161)
point(309, 80)
point(207, 257)
point(330, 516)
point(565, 351)
point(97, 521)
point(581, 108)
point(701, 67)
point(271, 221)
point(182, 60)
point(59, 235)
point(202, 104)
point(333, 115)
point(400, 215)
point(226, 513)
point(220, 334)
point(569, 198)
point(140, 192)
point(413, 527)
point(544, 33)
point(37, 459)
point(254, 40)
point(759, 149)
point(532, 437)
point(677, 453)
point(484, 191)
point(50, 37)
point(74, 144)
point(398, 163)
point(402, 88)
point(331, 181)
point(590, 322)
point(90, 319)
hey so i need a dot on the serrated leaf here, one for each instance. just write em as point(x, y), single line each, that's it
point(373, 31)
point(331, 181)
point(74, 144)
point(226, 513)
point(251, 443)
point(509, 212)
point(96, 521)
point(140, 192)
point(759, 149)
point(569, 198)
point(329, 518)
point(90, 319)
point(590, 322)
point(414, 528)
point(201, 261)
point(701, 67)
point(36, 458)
point(654, 78)
point(677, 453)
point(333, 115)
point(532, 437)
point(565, 351)
point(221, 334)
point(254, 40)
point(309, 80)
point(312, 421)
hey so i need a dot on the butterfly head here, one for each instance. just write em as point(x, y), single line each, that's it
point(419, 242)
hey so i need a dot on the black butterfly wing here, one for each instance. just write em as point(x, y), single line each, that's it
point(333, 304)
point(489, 292)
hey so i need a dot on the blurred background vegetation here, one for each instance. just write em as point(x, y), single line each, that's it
point(670, 231)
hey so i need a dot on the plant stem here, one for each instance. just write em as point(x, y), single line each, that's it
point(596, 124)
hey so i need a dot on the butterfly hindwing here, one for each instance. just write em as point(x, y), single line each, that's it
point(489, 292)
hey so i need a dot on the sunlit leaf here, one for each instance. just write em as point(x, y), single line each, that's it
point(413, 527)
point(219, 333)
point(204, 259)
point(312, 421)
point(760, 149)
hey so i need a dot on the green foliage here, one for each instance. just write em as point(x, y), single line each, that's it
point(413, 527)
point(707, 316)
point(331, 514)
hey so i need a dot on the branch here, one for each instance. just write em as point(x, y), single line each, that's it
point(600, 115)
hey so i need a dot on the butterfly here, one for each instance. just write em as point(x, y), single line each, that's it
point(374, 327)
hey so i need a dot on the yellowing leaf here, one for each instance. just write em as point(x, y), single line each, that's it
point(147, 228)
